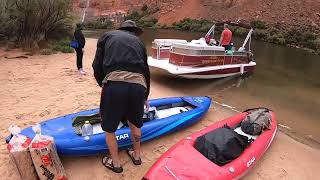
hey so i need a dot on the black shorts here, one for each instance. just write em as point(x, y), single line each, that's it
point(121, 101)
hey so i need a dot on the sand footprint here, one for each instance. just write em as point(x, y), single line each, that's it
point(44, 113)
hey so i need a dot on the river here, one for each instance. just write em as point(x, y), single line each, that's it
point(286, 80)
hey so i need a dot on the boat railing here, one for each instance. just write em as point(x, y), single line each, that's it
point(248, 38)
point(205, 51)
point(238, 24)
point(211, 30)
point(156, 46)
point(198, 46)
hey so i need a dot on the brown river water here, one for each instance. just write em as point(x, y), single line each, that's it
point(286, 80)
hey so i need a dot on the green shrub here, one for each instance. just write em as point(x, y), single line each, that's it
point(99, 24)
point(257, 24)
point(277, 39)
point(63, 46)
point(293, 36)
point(188, 24)
point(147, 23)
point(175, 26)
point(156, 26)
point(273, 31)
point(240, 31)
point(135, 16)
point(66, 49)
point(205, 27)
point(309, 40)
point(317, 42)
point(302, 38)
point(140, 20)
point(46, 51)
point(260, 34)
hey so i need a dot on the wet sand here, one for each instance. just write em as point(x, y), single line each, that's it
point(44, 87)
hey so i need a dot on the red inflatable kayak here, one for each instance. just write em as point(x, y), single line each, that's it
point(183, 161)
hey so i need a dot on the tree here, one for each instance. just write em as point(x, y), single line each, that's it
point(30, 21)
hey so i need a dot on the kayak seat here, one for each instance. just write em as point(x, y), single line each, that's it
point(172, 111)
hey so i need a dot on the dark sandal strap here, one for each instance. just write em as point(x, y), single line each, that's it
point(110, 166)
point(134, 161)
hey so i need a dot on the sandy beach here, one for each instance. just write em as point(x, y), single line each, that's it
point(37, 88)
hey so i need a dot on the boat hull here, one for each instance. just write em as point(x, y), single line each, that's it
point(207, 72)
point(163, 53)
point(217, 58)
point(183, 161)
point(68, 143)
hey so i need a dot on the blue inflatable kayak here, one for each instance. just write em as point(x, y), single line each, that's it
point(169, 115)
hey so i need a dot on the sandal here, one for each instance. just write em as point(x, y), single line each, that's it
point(134, 161)
point(109, 164)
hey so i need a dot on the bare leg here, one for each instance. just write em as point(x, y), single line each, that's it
point(111, 141)
point(136, 135)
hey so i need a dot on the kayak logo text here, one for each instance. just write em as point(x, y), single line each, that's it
point(122, 137)
point(198, 100)
point(251, 161)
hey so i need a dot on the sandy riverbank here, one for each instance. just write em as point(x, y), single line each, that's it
point(44, 87)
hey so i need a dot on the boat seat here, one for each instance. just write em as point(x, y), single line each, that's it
point(195, 46)
point(172, 111)
point(169, 42)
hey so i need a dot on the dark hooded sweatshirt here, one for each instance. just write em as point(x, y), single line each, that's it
point(79, 37)
point(120, 50)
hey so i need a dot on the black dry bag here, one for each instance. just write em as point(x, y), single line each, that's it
point(222, 145)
